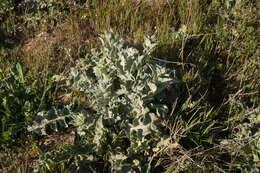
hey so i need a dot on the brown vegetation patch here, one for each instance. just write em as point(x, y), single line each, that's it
point(58, 48)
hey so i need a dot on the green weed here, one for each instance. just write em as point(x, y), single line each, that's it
point(20, 100)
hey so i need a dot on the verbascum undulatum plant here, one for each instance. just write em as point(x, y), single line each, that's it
point(124, 88)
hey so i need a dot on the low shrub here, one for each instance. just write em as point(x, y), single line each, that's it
point(125, 90)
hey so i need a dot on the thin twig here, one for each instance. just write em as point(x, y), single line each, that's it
point(174, 62)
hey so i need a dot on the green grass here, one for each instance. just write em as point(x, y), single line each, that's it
point(212, 46)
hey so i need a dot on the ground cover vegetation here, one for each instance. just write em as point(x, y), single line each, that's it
point(129, 86)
